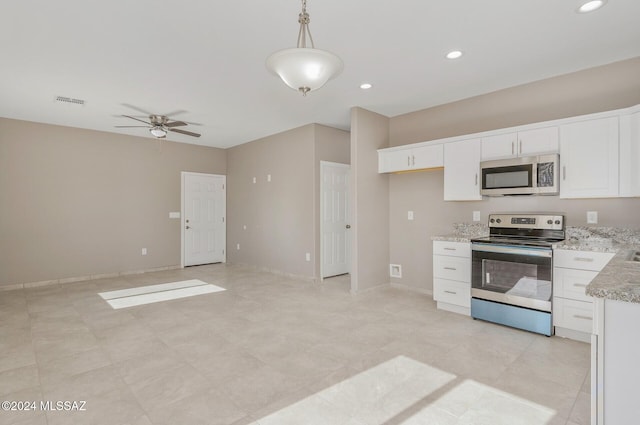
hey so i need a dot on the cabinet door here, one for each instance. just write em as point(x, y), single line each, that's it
point(391, 161)
point(538, 141)
point(630, 155)
point(500, 146)
point(462, 170)
point(427, 157)
point(589, 159)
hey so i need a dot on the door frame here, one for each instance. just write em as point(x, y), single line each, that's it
point(182, 222)
point(321, 203)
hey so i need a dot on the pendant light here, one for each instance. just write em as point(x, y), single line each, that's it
point(304, 68)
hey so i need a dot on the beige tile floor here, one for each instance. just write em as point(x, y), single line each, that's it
point(272, 350)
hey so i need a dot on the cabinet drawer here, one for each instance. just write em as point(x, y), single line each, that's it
point(455, 249)
point(452, 268)
point(572, 283)
point(582, 260)
point(456, 293)
point(575, 315)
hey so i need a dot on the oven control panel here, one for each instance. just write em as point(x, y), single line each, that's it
point(527, 221)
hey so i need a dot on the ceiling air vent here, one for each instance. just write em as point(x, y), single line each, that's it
point(71, 100)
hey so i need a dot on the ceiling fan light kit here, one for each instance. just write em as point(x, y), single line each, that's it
point(160, 125)
point(304, 68)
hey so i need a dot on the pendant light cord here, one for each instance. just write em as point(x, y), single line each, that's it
point(303, 19)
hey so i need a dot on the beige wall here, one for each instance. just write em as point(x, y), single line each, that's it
point(370, 201)
point(279, 215)
point(594, 90)
point(597, 89)
point(78, 202)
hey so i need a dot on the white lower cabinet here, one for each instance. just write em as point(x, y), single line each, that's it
point(452, 276)
point(572, 308)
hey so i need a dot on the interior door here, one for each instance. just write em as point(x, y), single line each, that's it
point(335, 242)
point(203, 218)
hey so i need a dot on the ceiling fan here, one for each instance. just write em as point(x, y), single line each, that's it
point(160, 125)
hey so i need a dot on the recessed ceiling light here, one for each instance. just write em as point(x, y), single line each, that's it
point(365, 86)
point(454, 54)
point(590, 6)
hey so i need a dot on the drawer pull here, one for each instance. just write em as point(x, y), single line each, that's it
point(580, 285)
point(450, 249)
point(451, 292)
point(584, 259)
point(580, 316)
point(450, 268)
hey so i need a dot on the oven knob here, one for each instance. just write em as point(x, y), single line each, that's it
point(549, 221)
point(493, 220)
point(557, 221)
point(499, 220)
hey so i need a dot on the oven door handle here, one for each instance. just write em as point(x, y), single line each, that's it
point(512, 249)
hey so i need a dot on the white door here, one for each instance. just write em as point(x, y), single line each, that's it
point(335, 242)
point(203, 218)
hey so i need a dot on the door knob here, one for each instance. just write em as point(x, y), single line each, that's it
point(348, 226)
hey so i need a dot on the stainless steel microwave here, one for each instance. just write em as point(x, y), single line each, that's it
point(533, 175)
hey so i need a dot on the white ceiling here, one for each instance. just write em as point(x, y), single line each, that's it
point(206, 58)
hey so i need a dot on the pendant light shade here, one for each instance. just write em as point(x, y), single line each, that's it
point(304, 68)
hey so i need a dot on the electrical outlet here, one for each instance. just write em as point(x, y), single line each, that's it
point(409, 215)
point(254, 180)
point(592, 217)
point(144, 251)
point(244, 227)
point(238, 247)
point(308, 256)
point(268, 177)
point(476, 216)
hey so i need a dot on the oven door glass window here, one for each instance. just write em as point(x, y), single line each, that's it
point(516, 275)
point(516, 279)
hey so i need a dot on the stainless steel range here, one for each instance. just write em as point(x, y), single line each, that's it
point(512, 270)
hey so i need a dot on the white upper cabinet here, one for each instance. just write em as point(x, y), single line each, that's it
point(521, 143)
point(589, 159)
point(630, 155)
point(408, 159)
point(462, 170)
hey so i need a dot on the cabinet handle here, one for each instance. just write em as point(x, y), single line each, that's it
point(580, 285)
point(584, 259)
point(476, 179)
point(564, 172)
point(451, 292)
point(450, 249)
point(580, 316)
point(520, 150)
point(450, 268)
point(413, 160)
point(408, 161)
point(512, 148)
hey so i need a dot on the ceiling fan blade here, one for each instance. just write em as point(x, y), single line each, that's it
point(178, 112)
point(188, 133)
point(135, 108)
point(131, 126)
point(133, 118)
point(175, 124)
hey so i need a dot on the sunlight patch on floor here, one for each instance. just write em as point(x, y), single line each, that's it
point(131, 297)
point(404, 391)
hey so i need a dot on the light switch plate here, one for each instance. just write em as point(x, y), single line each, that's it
point(268, 177)
point(409, 215)
point(254, 180)
point(308, 256)
point(476, 216)
point(592, 217)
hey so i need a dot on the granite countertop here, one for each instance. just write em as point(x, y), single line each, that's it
point(464, 232)
point(620, 279)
